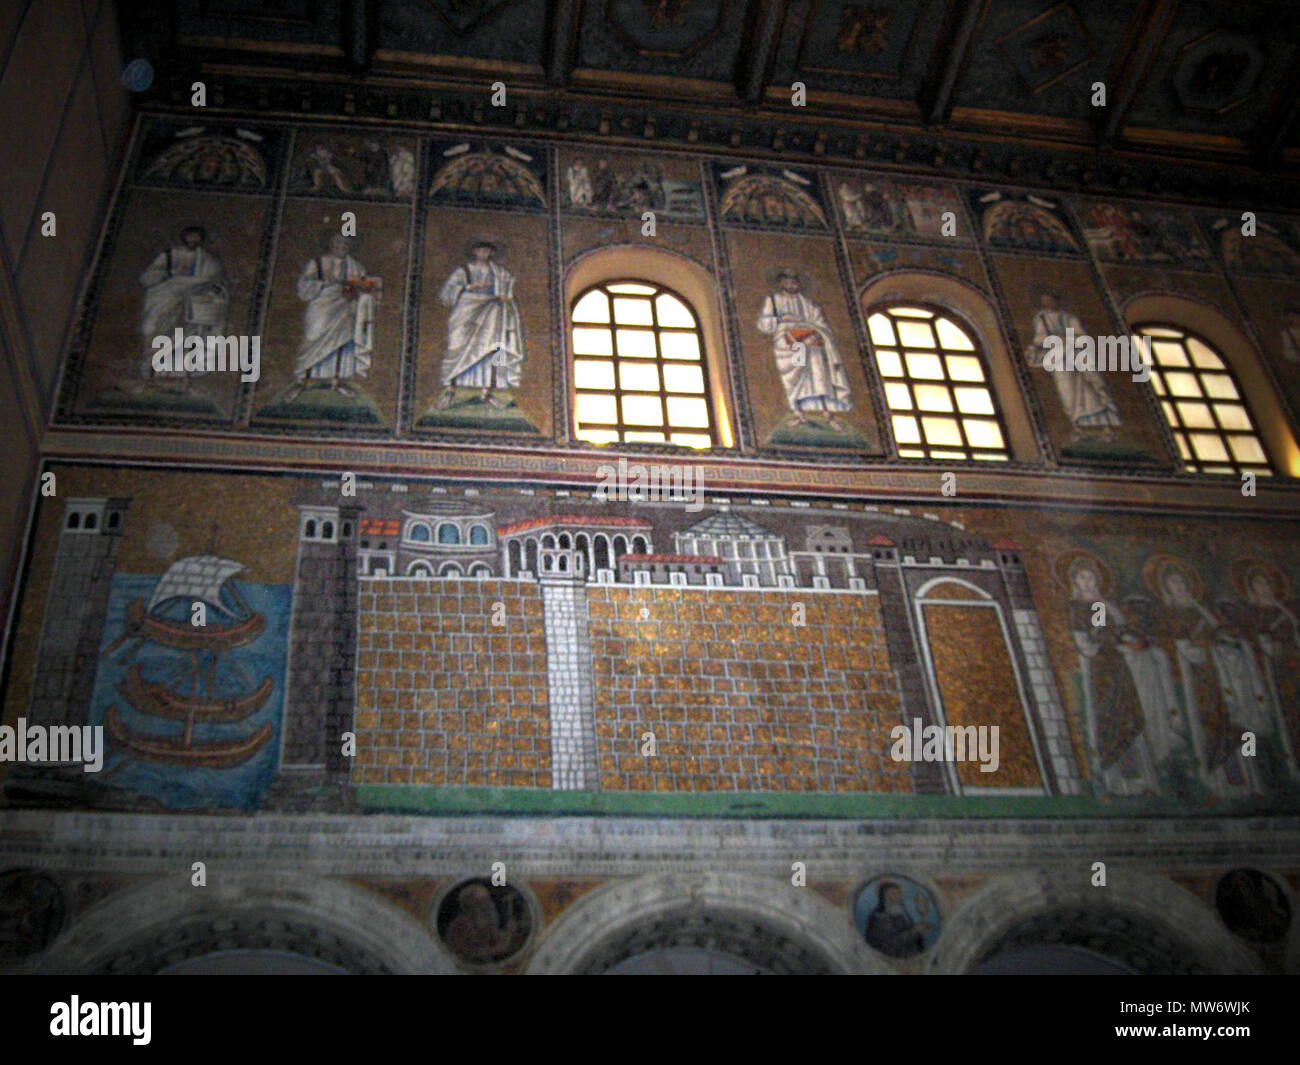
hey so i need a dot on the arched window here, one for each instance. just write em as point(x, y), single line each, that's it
point(309, 530)
point(1202, 403)
point(419, 532)
point(327, 530)
point(937, 385)
point(92, 521)
point(419, 568)
point(74, 519)
point(478, 534)
point(639, 367)
point(448, 533)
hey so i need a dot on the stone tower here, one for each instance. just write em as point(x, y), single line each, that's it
point(89, 537)
point(562, 578)
point(904, 655)
point(322, 640)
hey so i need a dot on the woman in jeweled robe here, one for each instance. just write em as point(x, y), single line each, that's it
point(1133, 719)
point(1221, 683)
point(1274, 632)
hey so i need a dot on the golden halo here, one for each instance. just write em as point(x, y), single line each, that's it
point(1157, 568)
point(1066, 563)
point(1242, 571)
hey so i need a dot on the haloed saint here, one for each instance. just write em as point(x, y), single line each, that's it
point(338, 326)
point(812, 372)
point(485, 336)
point(185, 288)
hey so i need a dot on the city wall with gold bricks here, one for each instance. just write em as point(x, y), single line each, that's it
point(443, 695)
point(737, 696)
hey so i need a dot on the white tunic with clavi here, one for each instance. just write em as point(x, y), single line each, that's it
point(811, 371)
point(1083, 393)
point(185, 288)
point(485, 337)
point(338, 330)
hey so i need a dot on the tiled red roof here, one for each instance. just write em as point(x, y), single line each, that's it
point(880, 540)
point(1005, 545)
point(714, 559)
point(572, 519)
point(380, 526)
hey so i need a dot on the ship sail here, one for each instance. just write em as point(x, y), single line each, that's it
point(198, 578)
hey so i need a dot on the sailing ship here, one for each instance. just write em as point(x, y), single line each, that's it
point(166, 621)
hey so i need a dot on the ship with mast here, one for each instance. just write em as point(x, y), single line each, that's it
point(189, 692)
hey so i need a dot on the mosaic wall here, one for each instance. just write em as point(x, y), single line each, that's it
point(737, 697)
point(443, 695)
point(427, 644)
point(238, 229)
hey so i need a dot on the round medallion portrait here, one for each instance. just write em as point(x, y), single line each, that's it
point(482, 923)
point(31, 913)
point(1253, 905)
point(896, 916)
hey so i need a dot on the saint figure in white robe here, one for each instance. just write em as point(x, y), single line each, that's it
point(339, 323)
point(580, 190)
point(1084, 395)
point(186, 289)
point(851, 205)
point(812, 373)
point(485, 335)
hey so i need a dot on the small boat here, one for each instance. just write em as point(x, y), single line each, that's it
point(194, 754)
point(166, 621)
point(160, 701)
point(187, 637)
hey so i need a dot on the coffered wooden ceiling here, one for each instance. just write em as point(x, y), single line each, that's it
point(1207, 82)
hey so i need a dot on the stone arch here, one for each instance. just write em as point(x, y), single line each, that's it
point(419, 568)
point(766, 922)
point(688, 279)
point(450, 569)
point(1272, 423)
point(975, 311)
point(1147, 921)
point(150, 926)
point(936, 583)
